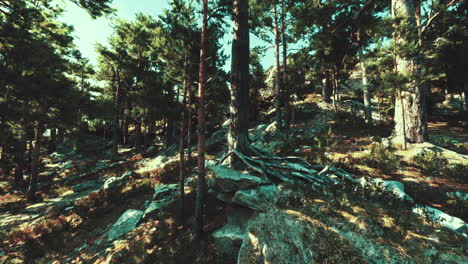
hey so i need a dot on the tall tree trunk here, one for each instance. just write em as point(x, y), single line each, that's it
point(465, 86)
point(238, 135)
point(189, 123)
point(287, 91)
point(60, 135)
point(53, 139)
point(335, 90)
point(138, 135)
point(115, 136)
point(29, 156)
point(149, 134)
point(183, 129)
point(365, 89)
point(36, 155)
point(327, 89)
point(126, 122)
point(279, 118)
point(200, 200)
point(170, 128)
point(412, 98)
point(21, 152)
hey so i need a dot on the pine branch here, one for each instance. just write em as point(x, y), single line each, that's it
point(431, 19)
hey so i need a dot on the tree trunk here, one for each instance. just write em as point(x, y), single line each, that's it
point(238, 136)
point(287, 91)
point(279, 119)
point(335, 90)
point(412, 98)
point(21, 152)
point(189, 123)
point(29, 156)
point(183, 129)
point(116, 137)
point(465, 86)
point(138, 135)
point(327, 89)
point(365, 89)
point(36, 155)
point(170, 128)
point(60, 135)
point(149, 134)
point(126, 123)
point(53, 139)
point(200, 200)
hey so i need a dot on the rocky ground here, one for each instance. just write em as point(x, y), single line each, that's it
point(363, 202)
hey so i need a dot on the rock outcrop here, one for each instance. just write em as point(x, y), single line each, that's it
point(126, 223)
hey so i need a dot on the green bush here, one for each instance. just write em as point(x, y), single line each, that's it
point(382, 159)
point(324, 143)
point(430, 162)
point(458, 172)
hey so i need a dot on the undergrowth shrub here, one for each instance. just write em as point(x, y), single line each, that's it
point(458, 172)
point(430, 162)
point(323, 143)
point(382, 159)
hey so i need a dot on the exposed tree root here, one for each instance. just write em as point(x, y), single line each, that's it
point(288, 169)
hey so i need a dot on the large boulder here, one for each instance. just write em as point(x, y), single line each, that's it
point(88, 185)
point(393, 188)
point(228, 180)
point(126, 223)
point(274, 237)
point(258, 199)
point(164, 191)
point(164, 196)
point(115, 183)
point(229, 238)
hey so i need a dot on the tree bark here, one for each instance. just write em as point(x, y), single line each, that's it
point(327, 89)
point(36, 155)
point(183, 129)
point(335, 90)
point(138, 135)
point(279, 118)
point(365, 89)
point(189, 123)
point(21, 152)
point(116, 130)
point(200, 199)
point(238, 136)
point(412, 96)
point(60, 134)
point(126, 123)
point(53, 139)
point(287, 91)
point(149, 134)
point(465, 86)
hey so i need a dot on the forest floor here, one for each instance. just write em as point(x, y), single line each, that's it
point(77, 209)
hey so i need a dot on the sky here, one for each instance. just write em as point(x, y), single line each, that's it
point(89, 32)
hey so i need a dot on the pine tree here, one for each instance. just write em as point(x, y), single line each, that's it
point(410, 124)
